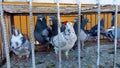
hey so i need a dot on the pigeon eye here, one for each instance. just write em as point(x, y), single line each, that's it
point(13, 47)
point(69, 30)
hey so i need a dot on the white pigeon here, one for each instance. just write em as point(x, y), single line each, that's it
point(20, 45)
point(66, 41)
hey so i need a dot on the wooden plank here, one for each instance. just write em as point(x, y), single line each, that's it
point(69, 1)
point(52, 9)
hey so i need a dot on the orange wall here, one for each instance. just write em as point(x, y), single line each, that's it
point(22, 22)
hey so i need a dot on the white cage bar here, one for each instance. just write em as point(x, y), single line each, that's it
point(32, 34)
point(115, 39)
point(4, 36)
point(78, 41)
point(58, 17)
point(98, 33)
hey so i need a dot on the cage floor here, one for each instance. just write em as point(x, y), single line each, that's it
point(88, 58)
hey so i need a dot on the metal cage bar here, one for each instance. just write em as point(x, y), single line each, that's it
point(78, 42)
point(4, 36)
point(32, 34)
point(58, 17)
point(115, 39)
point(98, 41)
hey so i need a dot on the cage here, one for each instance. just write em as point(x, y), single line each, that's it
point(16, 13)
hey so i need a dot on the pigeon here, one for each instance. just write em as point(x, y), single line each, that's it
point(66, 40)
point(42, 32)
point(83, 35)
point(93, 31)
point(110, 33)
point(20, 45)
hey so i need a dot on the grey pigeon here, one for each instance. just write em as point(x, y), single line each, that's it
point(83, 35)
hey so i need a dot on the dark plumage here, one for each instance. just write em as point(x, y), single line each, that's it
point(63, 27)
point(55, 26)
point(93, 31)
point(84, 21)
point(42, 32)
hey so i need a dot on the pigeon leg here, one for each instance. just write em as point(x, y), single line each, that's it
point(82, 45)
point(119, 41)
point(27, 56)
point(17, 60)
point(56, 52)
point(26, 59)
point(95, 39)
point(56, 56)
point(118, 44)
point(67, 57)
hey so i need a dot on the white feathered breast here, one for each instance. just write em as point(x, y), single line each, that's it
point(83, 35)
point(16, 39)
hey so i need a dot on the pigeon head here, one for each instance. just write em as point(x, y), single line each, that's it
point(69, 25)
point(15, 32)
point(84, 22)
point(69, 28)
point(15, 46)
point(75, 19)
point(40, 17)
point(76, 25)
point(40, 23)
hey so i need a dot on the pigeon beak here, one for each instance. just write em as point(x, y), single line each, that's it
point(41, 19)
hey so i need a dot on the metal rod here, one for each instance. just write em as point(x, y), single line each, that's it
point(58, 16)
point(78, 42)
point(115, 39)
point(4, 36)
point(98, 40)
point(31, 33)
